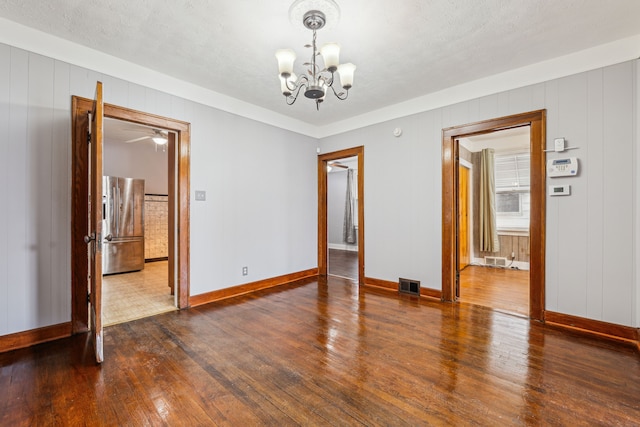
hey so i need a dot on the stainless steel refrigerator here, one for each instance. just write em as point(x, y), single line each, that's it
point(123, 213)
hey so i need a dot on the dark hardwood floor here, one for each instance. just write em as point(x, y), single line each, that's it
point(325, 353)
point(343, 263)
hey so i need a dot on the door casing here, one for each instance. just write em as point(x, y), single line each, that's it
point(179, 167)
point(323, 247)
point(450, 163)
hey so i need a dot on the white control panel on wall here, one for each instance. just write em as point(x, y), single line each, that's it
point(559, 190)
point(562, 167)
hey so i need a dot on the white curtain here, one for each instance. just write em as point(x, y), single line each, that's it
point(489, 241)
point(348, 227)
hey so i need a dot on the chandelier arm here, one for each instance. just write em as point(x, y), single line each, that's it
point(330, 82)
point(303, 80)
point(292, 99)
point(344, 96)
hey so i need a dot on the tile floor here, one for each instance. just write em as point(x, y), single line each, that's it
point(131, 296)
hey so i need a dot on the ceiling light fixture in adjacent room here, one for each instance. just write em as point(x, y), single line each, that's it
point(315, 81)
point(159, 137)
point(160, 140)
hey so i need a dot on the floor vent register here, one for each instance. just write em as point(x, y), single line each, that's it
point(408, 286)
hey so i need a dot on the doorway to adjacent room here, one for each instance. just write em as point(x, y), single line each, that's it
point(451, 162)
point(135, 283)
point(342, 217)
point(494, 207)
point(178, 152)
point(341, 214)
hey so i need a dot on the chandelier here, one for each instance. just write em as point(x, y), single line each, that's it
point(316, 81)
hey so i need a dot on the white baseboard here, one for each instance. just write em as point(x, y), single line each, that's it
point(343, 247)
point(521, 265)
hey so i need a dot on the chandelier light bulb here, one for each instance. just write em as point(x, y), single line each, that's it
point(331, 56)
point(285, 57)
point(346, 74)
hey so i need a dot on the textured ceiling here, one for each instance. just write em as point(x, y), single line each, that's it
point(403, 49)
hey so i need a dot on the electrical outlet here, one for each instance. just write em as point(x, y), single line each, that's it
point(245, 271)
point(201, 195)
point(513, 255)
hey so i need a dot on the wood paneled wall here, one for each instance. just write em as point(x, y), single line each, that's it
point(589, 235)
point(508, 244)
point(590, 265)
point(228, 231)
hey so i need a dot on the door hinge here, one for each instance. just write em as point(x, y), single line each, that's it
point(88, 137)
point(89, 298)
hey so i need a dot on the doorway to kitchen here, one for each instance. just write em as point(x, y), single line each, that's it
point(135, 281)
point(178, 160)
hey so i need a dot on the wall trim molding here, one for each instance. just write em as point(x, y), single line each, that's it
point(599, 328)
point(34, 336)
point(393, 286)
point(246, 288)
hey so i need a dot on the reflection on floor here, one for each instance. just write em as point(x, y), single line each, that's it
point(131, 296)
point(343, 263)
point(497, 288)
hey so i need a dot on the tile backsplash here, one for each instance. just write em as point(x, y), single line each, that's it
point(156, 220)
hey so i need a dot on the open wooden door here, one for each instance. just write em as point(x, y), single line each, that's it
point(464, 252)
point(94, 238)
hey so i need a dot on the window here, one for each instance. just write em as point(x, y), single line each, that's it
point(508, 203)
point(512, 172)
point(512, 175)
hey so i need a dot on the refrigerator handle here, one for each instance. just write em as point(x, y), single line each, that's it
point(116, 207)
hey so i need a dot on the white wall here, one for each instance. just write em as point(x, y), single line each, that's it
point(138, 160)
point(257, 213)
point(591, 239)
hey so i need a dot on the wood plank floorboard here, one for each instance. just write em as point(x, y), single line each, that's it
point(325, 353)
point(497, 288)
point(343, 263)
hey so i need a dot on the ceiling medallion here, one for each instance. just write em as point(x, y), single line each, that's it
point(314, 15)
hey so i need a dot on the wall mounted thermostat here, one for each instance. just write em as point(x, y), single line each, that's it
point(562, 167)
point(559, 190)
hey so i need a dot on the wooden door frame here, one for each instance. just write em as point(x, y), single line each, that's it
point(323, 160)
point(450, 149)
point(179, 173)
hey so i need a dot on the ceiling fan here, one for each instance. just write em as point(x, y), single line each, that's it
point(158, 136)
point(332, 165)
